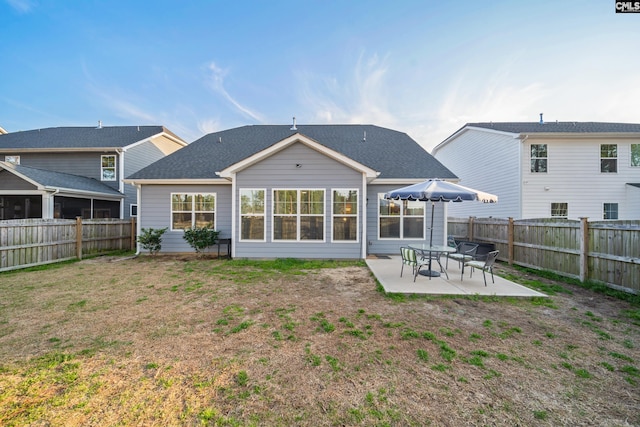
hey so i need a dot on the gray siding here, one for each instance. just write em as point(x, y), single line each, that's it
point(379, 246)
point(316, 171)
point(83, 164)
point(9, 181)
point(136, 158)
point(155, 211)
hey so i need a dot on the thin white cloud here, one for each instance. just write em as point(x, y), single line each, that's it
point(21, 6)
point(216, 83)
point(362, 98)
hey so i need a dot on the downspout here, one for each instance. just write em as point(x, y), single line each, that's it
point(520, 150)
point(234, 244)
point(120, 152)
point(364, 238)
point(138, 218)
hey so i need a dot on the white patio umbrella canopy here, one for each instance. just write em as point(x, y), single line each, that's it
point(437, 190)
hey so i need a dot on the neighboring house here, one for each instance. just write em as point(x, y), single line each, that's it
point(77, 171)
point(311, 191)
point(541, 170)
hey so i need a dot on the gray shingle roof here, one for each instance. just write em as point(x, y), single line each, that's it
point(79, 137)
point(64, 180)
point(559, 127)
point(390, 152)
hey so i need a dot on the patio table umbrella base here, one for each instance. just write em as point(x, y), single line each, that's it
point(437, 190)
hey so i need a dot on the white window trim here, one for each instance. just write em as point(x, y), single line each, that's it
point(558, 216)
point(617, 158)
point(356, 215)
point(538, 158)
point(115, 168)
point(617, 211)
point(297, 215)
point(401, 216)
point(193, 212)
point(631, 156)
point(264, 215)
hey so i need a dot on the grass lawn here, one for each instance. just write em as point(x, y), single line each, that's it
point(170, 341)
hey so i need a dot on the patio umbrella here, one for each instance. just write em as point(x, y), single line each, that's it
point(437, 190)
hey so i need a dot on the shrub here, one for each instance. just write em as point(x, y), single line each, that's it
point(200, 238)
point(151, 239)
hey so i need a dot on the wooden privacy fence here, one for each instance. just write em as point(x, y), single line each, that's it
point(601, 251)
point(31, 242)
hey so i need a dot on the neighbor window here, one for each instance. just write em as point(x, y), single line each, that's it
point(298, 214)
point(108, 168)
point(610, 211)
point(608, 158)
point(538, 157)
point(635, 154)
point(560, 209)
point(133, 210)
point(12, 159)
point(400, 219)
point(252, 214)
point(345, 215)
point(192, 210)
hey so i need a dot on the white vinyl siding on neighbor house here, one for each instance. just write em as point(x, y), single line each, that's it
point(501, 163)
point(574, 178)
point(488, 161)
point(297, 168)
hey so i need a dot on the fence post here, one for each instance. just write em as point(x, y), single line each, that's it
point(79, 237)
point(510, 240)
point(470, 231)
point(584, 249)
point(133, 233)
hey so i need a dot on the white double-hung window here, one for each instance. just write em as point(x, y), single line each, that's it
point(298, 215)
point(345, 215)
point(108, 167)
point(400, 219)
point(193, 210)
point(252, 214)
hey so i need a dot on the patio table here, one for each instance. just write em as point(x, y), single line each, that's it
point(428, 250)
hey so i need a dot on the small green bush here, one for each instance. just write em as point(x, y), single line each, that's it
point(151, 239)
point(200, 238)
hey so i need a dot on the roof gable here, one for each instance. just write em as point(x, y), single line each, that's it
point(73, 138)
point(392, 154)
point(287, 142)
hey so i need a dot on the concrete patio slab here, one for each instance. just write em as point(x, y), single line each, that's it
point(387, 271)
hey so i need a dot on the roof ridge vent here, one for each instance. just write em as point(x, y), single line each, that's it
point(293, 127)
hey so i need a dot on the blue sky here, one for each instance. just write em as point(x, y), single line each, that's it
point(422, 67)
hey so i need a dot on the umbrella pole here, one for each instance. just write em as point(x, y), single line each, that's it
point(433, 206)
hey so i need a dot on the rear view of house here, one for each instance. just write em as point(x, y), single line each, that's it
point(68, 172)
point(305, 191)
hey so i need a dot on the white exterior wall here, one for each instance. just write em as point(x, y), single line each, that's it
point(486, 161)
point(573, 176)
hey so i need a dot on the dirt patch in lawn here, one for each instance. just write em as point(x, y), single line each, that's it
point(186, 341)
